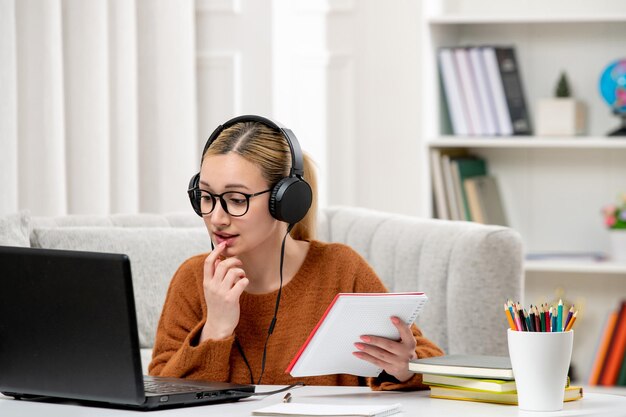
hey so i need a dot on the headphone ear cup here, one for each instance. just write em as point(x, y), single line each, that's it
point(290, 200)
point(193, 191)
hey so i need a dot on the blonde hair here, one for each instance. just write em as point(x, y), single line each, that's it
point(269, 150)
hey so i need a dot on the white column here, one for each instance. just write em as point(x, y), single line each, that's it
point(85, 36)
point(41, 127)
point(8, 108)
point(167, 103)
point(300, 63)
point(124, 163)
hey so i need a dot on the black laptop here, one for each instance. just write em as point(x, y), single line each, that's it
point(68, 330)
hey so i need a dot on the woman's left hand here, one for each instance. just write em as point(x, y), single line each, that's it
point(390, 355)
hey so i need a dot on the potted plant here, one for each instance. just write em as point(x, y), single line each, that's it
point(615, 220)
point(561, 115)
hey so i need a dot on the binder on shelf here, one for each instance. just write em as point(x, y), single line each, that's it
point(328, 349)
point(485, 96)
point(513, 90)
point(470, 92)
point(453, 92)
point(503, 118)
point(484, 200)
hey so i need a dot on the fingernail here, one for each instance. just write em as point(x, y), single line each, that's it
point(395, 320)
point(359, 346)
point(366, 339)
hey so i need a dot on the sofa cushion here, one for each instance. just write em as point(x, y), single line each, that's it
point(14, 229)
point(155, 253)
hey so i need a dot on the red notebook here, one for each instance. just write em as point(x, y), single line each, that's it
point(328, 349)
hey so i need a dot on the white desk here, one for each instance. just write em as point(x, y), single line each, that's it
point(413, 403)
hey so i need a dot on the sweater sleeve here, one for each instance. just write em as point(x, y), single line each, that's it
point(177, 352)
point(366, 280)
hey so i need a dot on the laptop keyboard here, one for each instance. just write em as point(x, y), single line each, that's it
point(166, 387)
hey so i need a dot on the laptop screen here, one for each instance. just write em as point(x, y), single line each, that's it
point(68, 326)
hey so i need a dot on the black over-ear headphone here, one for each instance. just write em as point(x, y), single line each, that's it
point(291, 197)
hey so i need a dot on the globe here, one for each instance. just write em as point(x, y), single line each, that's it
point(613, 91)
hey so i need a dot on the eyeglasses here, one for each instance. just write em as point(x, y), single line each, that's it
point(234, 203)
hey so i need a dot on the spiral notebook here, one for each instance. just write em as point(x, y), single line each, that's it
point(328, 349)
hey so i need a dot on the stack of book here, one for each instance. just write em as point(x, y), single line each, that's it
point(475, 378)
point(483, 91)
point(609, 365)
point(463, 188)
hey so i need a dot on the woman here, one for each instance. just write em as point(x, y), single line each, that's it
point(266, 275)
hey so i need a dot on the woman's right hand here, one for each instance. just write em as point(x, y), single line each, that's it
point(224, 282)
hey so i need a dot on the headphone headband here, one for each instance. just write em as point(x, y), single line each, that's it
point(297, 161)
point(291, 197)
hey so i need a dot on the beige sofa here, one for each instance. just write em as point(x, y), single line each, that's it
point(466, 269)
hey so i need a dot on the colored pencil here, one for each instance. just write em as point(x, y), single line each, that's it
point(559, 317)
point(569, 316)
point(509, 318)
point(522, 317)
point(518, 321)
point(571, 322)
point(537, 321)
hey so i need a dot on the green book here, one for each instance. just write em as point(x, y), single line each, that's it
point(467, 167)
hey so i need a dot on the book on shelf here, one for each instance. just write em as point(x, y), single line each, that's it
point(452, 196)
point(485, 96)
point(328, 349)
point(439, 192)
point(615, 351)
point(453, 92)
point(321, 410)
point(602, 348)
point(477, 366)
point(496, 88)
point(464, 168)
point(483, 91)
point(445, 205)
point(476, 125)
point(572, 393)
point(483, 384)
point(484, 200)
point(513, 90)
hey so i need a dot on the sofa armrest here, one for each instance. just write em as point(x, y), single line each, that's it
point(464, 268)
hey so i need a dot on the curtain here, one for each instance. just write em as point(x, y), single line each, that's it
point(97, 106)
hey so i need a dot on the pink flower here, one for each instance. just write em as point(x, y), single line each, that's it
point(610, 220)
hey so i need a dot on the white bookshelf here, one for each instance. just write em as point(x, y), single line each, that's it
point(553, 188)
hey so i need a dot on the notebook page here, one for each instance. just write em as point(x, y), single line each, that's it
point(330, 349)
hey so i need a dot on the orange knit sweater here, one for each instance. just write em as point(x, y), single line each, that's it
point(327, 270)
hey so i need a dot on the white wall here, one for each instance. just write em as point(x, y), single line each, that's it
point(345, 78)
point(119, 96)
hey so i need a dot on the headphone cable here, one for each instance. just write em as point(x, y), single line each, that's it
point(270, 329)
